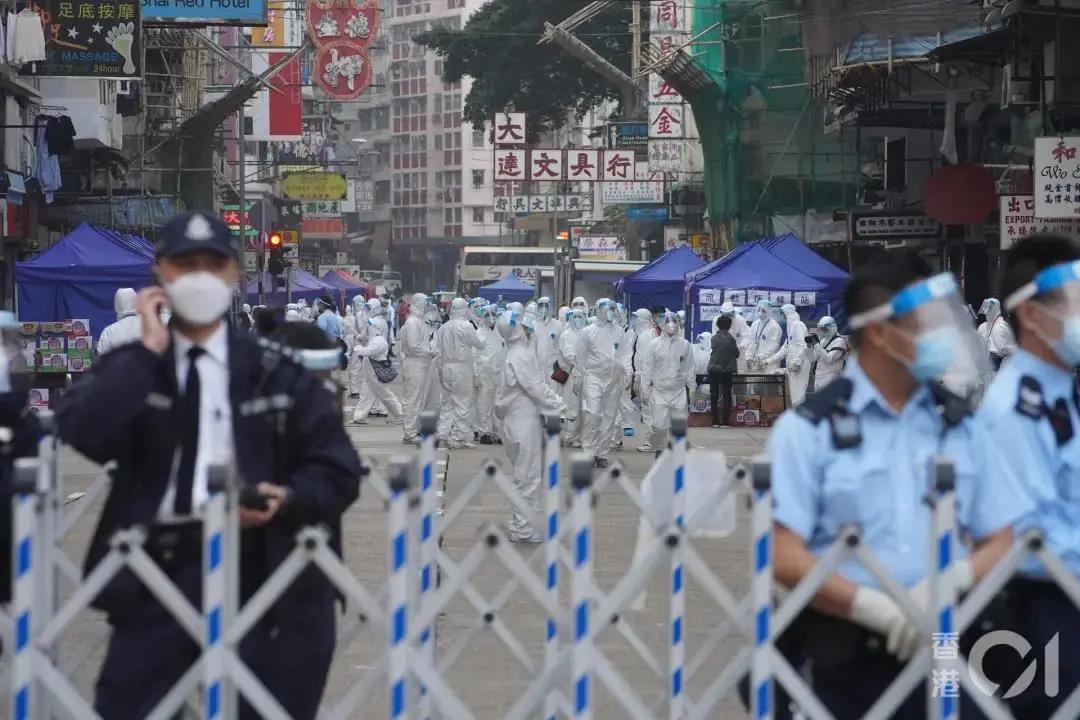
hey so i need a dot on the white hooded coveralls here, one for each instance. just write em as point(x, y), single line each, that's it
point(377, 348)
point(830, 355)
point(571, 389)
point(414, 343)
point(522, 397)
point(646, 333)
point(669, 369)
point(600, 352)
point(486, 367)
point(765, 336)
point(455, 343)
point(128, 326)
point(794, 354)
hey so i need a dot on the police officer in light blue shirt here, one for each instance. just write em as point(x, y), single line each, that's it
point(1031, 408)
point(856, 454)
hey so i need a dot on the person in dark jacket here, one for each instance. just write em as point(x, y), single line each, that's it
point(723, 362)
point(190, 395)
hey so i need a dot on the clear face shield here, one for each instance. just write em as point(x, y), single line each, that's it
point(929, 330)
point(605, 311)
point(671, 324)
point(577, 319)
point(1055, 296)
point(543, 308)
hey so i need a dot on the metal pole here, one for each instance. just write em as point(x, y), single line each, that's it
point(27, 566)
point(761, 693)
point(677, 603)
point(944, 698)
point(581, 584)
point(635, 34)
point(399, 587)
point(551, 551)
point(221, 556)
point(428, 426)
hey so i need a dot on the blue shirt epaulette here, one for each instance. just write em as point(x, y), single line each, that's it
point(953, 408)
point(1030, 401)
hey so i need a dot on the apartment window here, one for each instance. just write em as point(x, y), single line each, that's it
point(448, 214)
point(438, 142)
point(478, 137)
point(478, 179)
point(478, 215)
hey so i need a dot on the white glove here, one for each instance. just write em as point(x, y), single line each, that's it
point(876, 611)
point(962, 577)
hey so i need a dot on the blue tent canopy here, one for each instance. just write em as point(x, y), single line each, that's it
point(661, 282)
point(755, 268)
point(79, 275)
point(304, 285)
point(509, 289)
point(792, 251)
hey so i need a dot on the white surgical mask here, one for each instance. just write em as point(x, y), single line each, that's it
point(199, 297)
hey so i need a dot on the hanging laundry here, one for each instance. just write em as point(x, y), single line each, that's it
point(26, 37)
point(59, 134)
point(47, 165)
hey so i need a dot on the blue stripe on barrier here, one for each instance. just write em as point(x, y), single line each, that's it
point(425, 477)
point(24, 557)
point(676, 631)
point(676, 683)
point(213, 626)
point(581, 620)
point(763, 700)
point(678, 479)
point(553, 524)
point(425, 635)
point(761, 626)
point(22, 703)
point(22, 630)
point(214, 554)
point(944, 550)
point(761, 553)
point(550, 630)
point(425, 527)
point(947, 706)
point(945, 623)
point(397, 699)
point(676, 579)
point(551, 575)
point(581, 693)
point(399, 626)
point(581, 545)
point(553, 475)
point(213, 700)
point(399, 551)
point(425, 578)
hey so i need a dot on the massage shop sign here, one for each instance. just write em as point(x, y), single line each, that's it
point(1057, 177)
point(90, 38)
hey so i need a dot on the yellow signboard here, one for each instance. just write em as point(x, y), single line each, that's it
point(273, 35)
point(315, 186)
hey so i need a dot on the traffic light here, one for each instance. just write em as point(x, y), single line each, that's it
point(277, 255)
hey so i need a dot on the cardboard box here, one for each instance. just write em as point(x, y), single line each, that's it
point(699, 405)
point(30, 328)
point(30, 358)
point(772, 405)
point(55, 328)
point(78, 363)
point(748, 418)
point(80, 327)
point(39, 399)
point(52, 342)
point(80, 343)
point(53, 361)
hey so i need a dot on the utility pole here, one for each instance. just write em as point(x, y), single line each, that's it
point(635, 35)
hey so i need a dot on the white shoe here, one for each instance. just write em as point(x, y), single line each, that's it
point(645, 447)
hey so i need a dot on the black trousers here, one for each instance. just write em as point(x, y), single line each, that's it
point(720, 388)
point(149, 652)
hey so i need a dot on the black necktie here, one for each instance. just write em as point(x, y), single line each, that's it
point(189, 435)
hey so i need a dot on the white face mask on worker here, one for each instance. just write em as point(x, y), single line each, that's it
point(199, 297)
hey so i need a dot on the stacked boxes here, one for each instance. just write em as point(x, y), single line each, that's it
point(80, 346)
point(58, 347)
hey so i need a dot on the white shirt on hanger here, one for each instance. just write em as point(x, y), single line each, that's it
point(27, 43)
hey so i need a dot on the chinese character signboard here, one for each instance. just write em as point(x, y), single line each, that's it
point(665, 121)
point(661, 92)
point(272, 35)
point(643, 189)
point(525, 204)
point(343, 70)
point(600, 247)
point(545, 165)
point(510, 164)
point(232, 217)
point(322, 208)
point(331, 22)
point(1018, 220)
point(665, 155)
point(710, 296)
point(509, 129)
point(100, 39)
point(1057, 177)
point(204, 12)
point(668, 16)
point(365, 195)
point(583, 165)
point(669, 30)
point(315, 186)
point(896, 227)
point(618, 165)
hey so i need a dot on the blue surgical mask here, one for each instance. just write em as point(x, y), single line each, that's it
point(934, 354)
point(1068, 347)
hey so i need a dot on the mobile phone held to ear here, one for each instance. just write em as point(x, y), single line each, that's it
point(252, 499)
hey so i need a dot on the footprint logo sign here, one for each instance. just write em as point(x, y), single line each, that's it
point(121, 38)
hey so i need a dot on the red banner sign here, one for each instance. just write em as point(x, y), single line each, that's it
point(342, 70)
point(351, 21)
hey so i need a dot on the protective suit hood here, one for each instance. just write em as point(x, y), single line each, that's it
point(459, 308)
point(378, 325)
point(511, 326)
point(417, 303)
point(580, 303)
point(124, 302)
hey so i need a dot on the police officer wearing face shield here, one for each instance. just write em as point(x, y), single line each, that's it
point(165, 409)
point(856, 453)
point(1031, 406)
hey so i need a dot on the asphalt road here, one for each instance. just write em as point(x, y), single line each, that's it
point(479, 666)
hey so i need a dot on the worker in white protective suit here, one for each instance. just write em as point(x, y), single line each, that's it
point(306, 313)
point(547, 332)
point(829, 350)
point(456, 343)
point(793, 353)
point(740, 330)
point(375, 309)
point(669, 375)
point(702, 350)
point(375, 348)
point(417, 354)
point(521, 399)
point(291, 315)
point(600, 351)
point(487, 365)
point(645, 331)
point(571, 389)
point(361, 328)
point(628, 414)
point(765, 338)
point(996, 332)
point(580, 303)
point(128, 326)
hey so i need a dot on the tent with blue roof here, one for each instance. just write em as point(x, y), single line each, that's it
point(755, 268)
point(794, 252)
point(661, 282)
point(303, 285)
point(509, 289)
point(79, 276)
